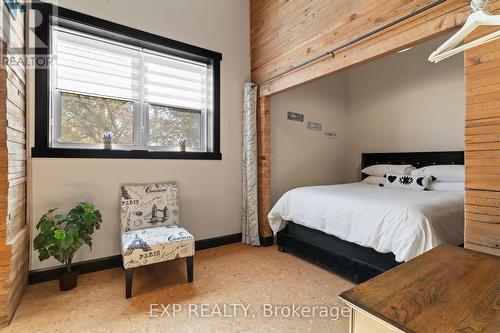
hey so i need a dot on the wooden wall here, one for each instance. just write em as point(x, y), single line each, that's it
point(14, 233)
point(286, 33)
point(264, 164)
point(482, 146)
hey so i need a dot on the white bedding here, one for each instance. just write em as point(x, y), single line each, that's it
point(404, 222)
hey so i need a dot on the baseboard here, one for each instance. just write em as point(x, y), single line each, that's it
point(88, 266)
point(217, 241)
point(95, 265)
point(266, 241)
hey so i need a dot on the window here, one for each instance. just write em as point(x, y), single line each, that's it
point(150, 96)
point(146, 100)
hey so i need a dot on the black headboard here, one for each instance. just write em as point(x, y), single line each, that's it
point(418, 160)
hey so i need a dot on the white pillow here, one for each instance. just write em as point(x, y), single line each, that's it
point(407, 182)
point(442, 173)
point(447, 186)
point(380, 170)
point(374, 180)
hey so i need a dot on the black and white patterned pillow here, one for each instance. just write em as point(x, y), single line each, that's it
point(407, 182)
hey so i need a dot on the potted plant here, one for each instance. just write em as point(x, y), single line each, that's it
point(182, 144)
point(107, 138)
point(60, 236)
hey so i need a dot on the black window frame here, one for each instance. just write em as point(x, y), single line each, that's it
point(120, 33)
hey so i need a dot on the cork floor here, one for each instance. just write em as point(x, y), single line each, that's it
point(236, 288)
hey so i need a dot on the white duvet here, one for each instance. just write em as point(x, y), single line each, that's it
point(404, 222)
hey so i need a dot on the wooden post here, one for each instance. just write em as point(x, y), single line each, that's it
point(482, 145)
point(264, 165)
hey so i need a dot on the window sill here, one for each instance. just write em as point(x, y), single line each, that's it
point(122, 154)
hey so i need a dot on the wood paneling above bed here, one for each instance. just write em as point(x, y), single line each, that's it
point(482, 146)
point(287, 33)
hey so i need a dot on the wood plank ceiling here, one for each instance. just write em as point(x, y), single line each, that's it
point(286, 33)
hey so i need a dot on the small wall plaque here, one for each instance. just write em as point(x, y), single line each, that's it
point(295, 116)
point(313, 126)
point(330, 134)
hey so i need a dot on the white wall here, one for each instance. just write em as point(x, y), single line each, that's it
point(299, 156)
point(401, 102)
point(210, 190)
point(405, 103)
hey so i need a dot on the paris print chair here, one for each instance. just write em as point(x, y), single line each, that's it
point(150, 231)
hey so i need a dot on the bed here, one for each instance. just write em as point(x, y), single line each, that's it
point(363, 230)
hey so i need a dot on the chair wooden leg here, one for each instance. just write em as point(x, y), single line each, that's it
point(190, 262)
point(128, 282)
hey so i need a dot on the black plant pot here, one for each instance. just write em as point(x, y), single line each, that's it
point(67, 280)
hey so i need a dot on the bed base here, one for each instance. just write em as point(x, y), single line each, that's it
point(351, 260)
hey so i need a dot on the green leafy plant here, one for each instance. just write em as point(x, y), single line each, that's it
point(61, 235)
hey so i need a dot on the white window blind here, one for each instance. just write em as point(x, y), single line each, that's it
point(148, 99)
point(92, 66)
point(174, 82)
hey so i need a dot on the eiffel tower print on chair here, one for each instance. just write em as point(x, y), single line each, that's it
point(150, 228)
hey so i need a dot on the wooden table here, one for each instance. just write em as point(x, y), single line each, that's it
point(447, 289)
